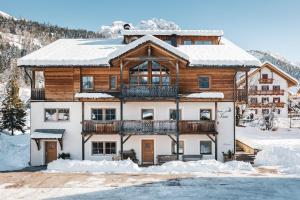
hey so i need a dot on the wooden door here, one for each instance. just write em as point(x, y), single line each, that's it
point(50, 151)
point(147, 151)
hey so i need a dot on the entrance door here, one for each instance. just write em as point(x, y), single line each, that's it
point(147, 152)
point(50, 151)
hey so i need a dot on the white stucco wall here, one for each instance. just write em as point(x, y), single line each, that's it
point(72, 136)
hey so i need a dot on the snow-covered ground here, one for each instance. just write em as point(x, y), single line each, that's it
point(204, 167)
point(14, 151)
point(280, 148)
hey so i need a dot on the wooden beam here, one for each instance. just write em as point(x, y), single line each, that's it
point(60, 140)
point(38, 143)
point(211, 138)
point(85, 140)
point(172, 138)
point(150, 58)
point(126, 139)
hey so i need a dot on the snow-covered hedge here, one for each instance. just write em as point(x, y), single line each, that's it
point(127, 166)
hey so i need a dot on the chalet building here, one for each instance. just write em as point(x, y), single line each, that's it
point(268, 90)
point(166, 94)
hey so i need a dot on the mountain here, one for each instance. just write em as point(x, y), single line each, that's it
point(291, 68)
point(114, 30)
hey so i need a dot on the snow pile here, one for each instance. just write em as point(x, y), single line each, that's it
point(158, 24)
point(93, 95)
point(127, 166)
point(112, 31)
point(14, 151)
point(206, 95)
point(287, 159)
point(124, 166)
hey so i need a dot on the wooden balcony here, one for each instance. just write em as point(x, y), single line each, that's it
point(266, 92)
point(149, 91)
point(37, 94)
point(266, 105)
point(149, 127)
point(266, 80)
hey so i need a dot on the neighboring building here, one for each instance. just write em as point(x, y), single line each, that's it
point(148, 91)
point(268, 90)
point(294, 99)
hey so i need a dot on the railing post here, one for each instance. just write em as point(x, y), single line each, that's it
point(177, 111)
point(121, 109)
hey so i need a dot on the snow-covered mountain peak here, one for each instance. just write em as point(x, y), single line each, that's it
point(5, 15)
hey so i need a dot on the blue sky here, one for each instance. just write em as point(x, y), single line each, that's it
point(272, 25)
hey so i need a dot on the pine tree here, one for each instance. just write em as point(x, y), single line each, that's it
point(13, 109)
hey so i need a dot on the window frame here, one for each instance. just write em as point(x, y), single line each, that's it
point(57, 114)
point(93, 83)
point(187, 40)
point(209, 82)
point(180, 113)
point(104, 145)
point(116, 82)
point(203, 42)
point(211, 147)
point(35, 79)
point(147, 109)
point(267, 88)
point(103, 114)
point(210, 110)
point(265, 74)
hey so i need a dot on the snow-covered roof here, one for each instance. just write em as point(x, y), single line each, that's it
point(144, 39)
point(93, 95)
point(47, 134)
point(206, 95)
point(98, 52)
point(177, 32)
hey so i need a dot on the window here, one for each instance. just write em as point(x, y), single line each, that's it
point(265, 100)
point(265, 87)
point(253, 100)
point(55, 114)
point(97, 114)
point(110, 114)
point(181, 147)
point(149, 73)
point(255, 111)
point(39, 79)
point(97, 148)
point(203, 42)
point(278, 111)
point(87, 83)
point(265, 111)
point(113, 82)
point(168, 41)
point(205, 147)
point(106, 148)
point(205, 114)
point(264, 76)
point(276, 100)
point(106, 114)
point(276, 87)
point(187, 42)
point(253, 87)
point(110, 148)
point(204, 82)
point(147, 114)
point(173, 114)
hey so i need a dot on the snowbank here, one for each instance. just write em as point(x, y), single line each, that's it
point(206, 95)
point(14, 151)
point(127, 166)
point(287, 159)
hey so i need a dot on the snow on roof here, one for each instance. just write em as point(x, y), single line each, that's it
point(47, 134)
point(98, 52)
point(225, 54)
point(177, 32)
point(281, 71)
point(144, 39)
point(68, 52)
point(206, 95)
point(93, 95)
point(294, 90)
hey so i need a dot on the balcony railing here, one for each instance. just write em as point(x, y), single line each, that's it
point(149, 127)
point(149, 91)
point(266, 80)
point(266, 92)
point(37, 94)
point(267, 105)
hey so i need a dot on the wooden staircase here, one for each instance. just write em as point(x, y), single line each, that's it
point(245, 153)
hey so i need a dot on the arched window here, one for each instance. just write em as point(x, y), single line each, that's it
point(149, 72)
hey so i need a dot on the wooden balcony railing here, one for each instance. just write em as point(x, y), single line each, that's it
point(266, 92)
point(149, 91)
point(241, 95)
point(266, 80)
point(149, 127)
point(267, 105)
point(37, 94)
